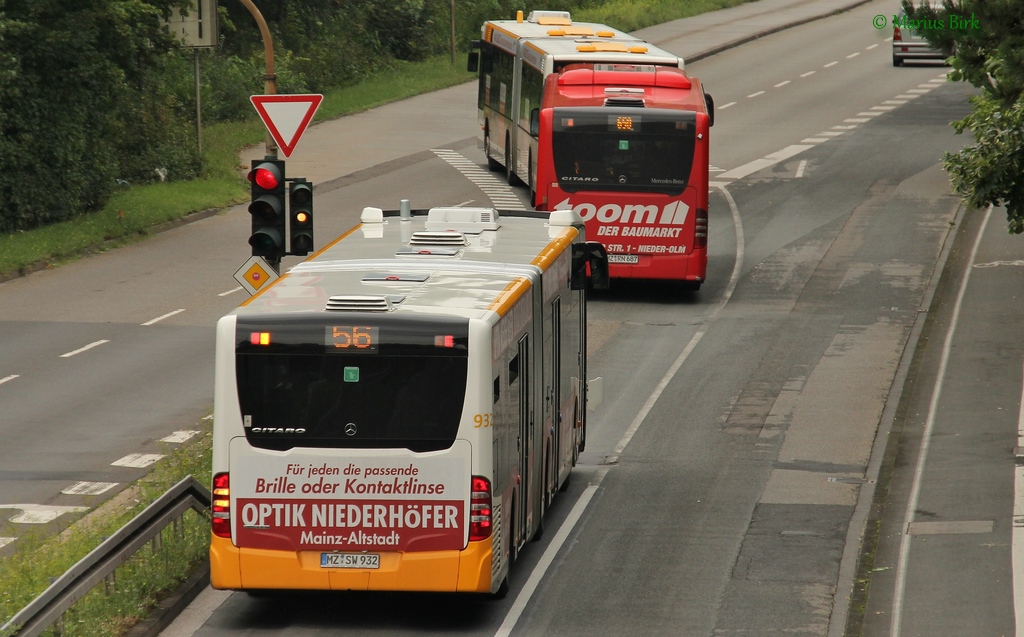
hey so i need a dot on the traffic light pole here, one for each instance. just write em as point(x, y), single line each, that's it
point(269, 76)
point(282, 210)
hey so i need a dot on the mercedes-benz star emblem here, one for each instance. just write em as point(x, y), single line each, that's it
point(350, 429)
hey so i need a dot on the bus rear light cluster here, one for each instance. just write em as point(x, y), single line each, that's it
point(221, 506)
point(480, 509)
point(700, 230)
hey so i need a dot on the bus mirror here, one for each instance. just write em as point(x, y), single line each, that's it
point(534, 122)
point(597, 256)
point(473, 63)
point(709, 102)
point(590, 254)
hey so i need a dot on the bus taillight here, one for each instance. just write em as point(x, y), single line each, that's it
point(480, 509)
point(221, 506)
point(700, 230)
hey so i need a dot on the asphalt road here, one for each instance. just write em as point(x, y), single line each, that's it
point(731, 472)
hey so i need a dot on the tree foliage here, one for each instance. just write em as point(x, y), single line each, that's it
point(986, 42)
point(96, 95)
point(83, 105)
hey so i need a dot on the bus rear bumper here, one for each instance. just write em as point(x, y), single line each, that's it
point(466, 571)
point(691, 267)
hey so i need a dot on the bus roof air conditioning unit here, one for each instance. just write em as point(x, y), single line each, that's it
point(363, 303)
point(443, 238)
point(633, 102)
point(465, 220)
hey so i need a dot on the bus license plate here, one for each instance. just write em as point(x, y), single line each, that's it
point(623, 258)
point(350, 560)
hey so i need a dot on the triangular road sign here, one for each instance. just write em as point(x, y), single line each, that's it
point(286, 116)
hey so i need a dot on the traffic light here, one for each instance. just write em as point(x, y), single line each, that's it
point(300, 204)
point(267, 209)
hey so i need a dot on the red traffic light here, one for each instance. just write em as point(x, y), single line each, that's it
point(264, 177)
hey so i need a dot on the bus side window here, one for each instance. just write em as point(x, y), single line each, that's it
point(487, 57)
point(496, 392)
point(513, 370)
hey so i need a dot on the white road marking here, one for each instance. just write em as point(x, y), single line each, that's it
point(844, 127)
point(800, 168)
point(926, 436)
point(852, 55)
point(4, 541)
point(830, 64)
point(8, 378)
point(499, 192)
point(239, 288)
point(813, 140)
point(82, 349)
point(516, 611)
point(782, 83)
point(870, 47)
point(768, 160)
point(137, 460)
point(857, 120)
point(807, 73)
point(179, 436)
point(160, 318)
point(756, 94)
point(725, 106)
point(40, 513)
point(88, 488)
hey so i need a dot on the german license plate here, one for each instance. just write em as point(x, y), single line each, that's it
point(623, 258)
point(350, 560)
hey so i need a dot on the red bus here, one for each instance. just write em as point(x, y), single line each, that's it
point(626, 147)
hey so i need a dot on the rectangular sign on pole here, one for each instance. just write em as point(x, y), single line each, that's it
point(198, 28)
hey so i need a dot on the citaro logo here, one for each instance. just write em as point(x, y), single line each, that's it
point(672, 214)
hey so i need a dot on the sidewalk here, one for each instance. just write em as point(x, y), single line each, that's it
point(332, 149)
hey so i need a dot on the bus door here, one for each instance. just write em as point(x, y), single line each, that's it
point(553, 395)
point(523, 441)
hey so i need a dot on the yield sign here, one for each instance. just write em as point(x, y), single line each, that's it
point(286, 116)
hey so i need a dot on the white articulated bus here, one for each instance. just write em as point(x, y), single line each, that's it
point(397, 412)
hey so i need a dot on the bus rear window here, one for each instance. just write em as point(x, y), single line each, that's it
point(626, 148)
point(403, 389)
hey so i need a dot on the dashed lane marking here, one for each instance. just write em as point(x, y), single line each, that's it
point(40, 513)
point(137, 460)
point(179, 436)
point(83, 349)
point(89, 488)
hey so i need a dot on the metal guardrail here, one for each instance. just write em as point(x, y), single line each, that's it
point(51, 604)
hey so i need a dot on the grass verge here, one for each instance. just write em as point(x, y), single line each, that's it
point(141, 582)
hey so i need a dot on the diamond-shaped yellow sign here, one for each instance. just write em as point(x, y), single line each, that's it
point(255, 274)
